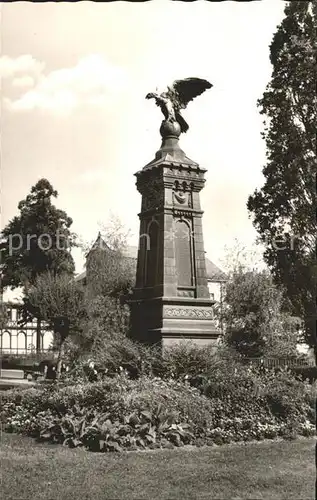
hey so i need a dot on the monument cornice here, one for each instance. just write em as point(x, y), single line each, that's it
point(168, 209)
point(176, 301)
point(168, 180)
point(190, 168)
point(189, 212)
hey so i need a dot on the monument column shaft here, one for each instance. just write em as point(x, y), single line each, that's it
point(171, 299)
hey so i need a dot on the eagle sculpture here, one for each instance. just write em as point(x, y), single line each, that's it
point(177, 97)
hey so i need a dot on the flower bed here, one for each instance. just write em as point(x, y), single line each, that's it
point(123, 414)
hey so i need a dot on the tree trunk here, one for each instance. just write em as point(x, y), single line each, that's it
point(38, 335)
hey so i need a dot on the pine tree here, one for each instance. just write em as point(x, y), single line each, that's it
point(36, 241)
point(284, 209)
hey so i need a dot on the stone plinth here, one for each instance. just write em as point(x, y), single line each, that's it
point(171, 300)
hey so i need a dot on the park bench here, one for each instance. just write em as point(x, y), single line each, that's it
point(10, 378)
point(12, 374)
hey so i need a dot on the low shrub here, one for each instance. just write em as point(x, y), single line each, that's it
point(118, 354)
point(287, 396)
point(189, 360)
point(133, 357)
point(183, 362)
point(305, 373)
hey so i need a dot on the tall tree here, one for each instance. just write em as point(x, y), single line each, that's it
point(36, 241)
point(284, 209)
point(61, 302)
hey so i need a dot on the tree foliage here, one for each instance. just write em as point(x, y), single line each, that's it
point(240, 256)
point(107, 319)
point(109, 277)
point(284, 209)
point(255, 324)
point(61, 302)
point(4, 317)
point(37, 240)
point(109, 271)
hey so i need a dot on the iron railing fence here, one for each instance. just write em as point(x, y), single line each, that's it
point(279, 362)
point(26, 354)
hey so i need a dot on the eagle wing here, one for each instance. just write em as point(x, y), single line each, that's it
point(183, 91)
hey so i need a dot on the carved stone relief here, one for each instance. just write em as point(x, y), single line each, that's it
point(182, 195)
point(153, 195)
point(196, 313)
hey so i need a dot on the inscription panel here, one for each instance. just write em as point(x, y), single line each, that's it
point(183, 253)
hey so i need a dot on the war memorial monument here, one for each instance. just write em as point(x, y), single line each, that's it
point(171, 300)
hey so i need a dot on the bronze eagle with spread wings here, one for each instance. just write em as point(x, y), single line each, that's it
point(177, 97)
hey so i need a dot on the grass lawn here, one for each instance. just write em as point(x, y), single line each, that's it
point(266, 470)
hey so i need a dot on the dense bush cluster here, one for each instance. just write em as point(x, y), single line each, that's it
point(179, 362)
point(225, 403)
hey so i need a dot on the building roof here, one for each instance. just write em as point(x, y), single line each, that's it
point(99, 243)
point(214, 274)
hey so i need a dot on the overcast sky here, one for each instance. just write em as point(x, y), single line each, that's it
point(74, 77)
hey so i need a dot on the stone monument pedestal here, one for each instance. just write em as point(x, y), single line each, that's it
point(170, 301)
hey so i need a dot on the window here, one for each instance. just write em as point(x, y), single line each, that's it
point(6, 341)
